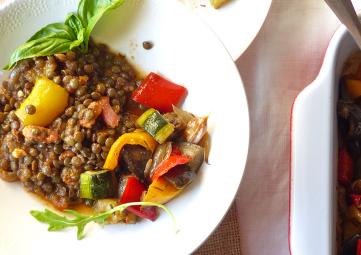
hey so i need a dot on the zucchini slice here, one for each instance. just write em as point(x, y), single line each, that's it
point(97, 184)
point(154, 123)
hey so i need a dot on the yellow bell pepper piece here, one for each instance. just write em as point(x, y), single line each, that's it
point(161, 191)
point(353, 88)
point(137, 137)
point(49, 99)
point(218, 3)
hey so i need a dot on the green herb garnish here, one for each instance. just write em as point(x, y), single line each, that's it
point(62, 37)
point(58, 222)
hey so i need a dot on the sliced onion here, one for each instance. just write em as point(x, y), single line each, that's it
point(206, 144)
point(184, 116)
point(196, 129)
point(161, 153)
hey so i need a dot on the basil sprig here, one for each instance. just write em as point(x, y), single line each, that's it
point(61, 37)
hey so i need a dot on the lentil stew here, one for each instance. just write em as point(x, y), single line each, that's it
point(79, 127)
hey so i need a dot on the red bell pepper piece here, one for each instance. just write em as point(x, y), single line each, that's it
point(356, 200)
point(358, 250)
point(345, 167)
point(168, 164)
point(158, 93)
point(133, 191)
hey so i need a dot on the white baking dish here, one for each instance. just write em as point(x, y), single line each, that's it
point(314, 155)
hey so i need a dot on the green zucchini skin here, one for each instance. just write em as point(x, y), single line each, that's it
point(154, 123)
point(97, 184)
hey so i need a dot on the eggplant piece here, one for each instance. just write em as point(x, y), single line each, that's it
point(349, 246)
point(193, 151)
point(134, 159)
point(180, 176)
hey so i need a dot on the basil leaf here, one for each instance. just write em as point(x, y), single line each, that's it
point(52, 39)
point(62, 37)
point(55, 30)
point(74, 22)
point(90, 11)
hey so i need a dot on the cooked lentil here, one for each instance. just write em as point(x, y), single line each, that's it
point(52, 169)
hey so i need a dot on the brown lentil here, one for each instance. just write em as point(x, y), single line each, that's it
point(53, 170)
point(147, 45)
point(30, 109)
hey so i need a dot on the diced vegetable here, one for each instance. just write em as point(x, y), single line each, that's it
point(131, 191)
point(136, 138)
point(195, 152)
point(356, 200)
point(161, 191)
point(103, 205)
point(353, 88)
point(358, 249)
point(135, 159)
point(218, 3)
point(206, 144)
point(345, 167)
point(97, 184)
point(162, 152)
point(184, 116)
point(350, 246)
point(49, 100)
point(180, 176)
point(159, 93)
point(154, 123)
point(168, 164)
point(196, 129)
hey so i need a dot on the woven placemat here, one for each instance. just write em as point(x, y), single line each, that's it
point(225, 239)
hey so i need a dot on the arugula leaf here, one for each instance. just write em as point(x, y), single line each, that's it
point(57, 222)
point(61, 37)
point(90, 11)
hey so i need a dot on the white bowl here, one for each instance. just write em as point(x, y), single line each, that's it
point(186, 52)
point(314, 155)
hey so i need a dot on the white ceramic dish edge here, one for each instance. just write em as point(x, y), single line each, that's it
point(314, 155)
point(206, 211)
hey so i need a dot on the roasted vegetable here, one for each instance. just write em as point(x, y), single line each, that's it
point(154, 123)
point(49, 100)
point(161, 191)
point(136, 138)
point(167, 165)
point(159, 93)
point(345, 167)
point(356, 200)
point(97, 184)
point(196, 129)
point(180, 176)
point(162, 152)
point(353, 87)
point(103, 205)
point(131, 190)
point(350, 246)
point(134, 159)
point(218, 3)
point(195, 152)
